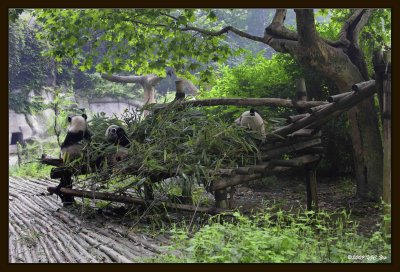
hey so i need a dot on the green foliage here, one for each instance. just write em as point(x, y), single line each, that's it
point(114, 40)
point(255, 77)
point(62, 105)
point(376, 34)
point(30, 169)
point(289, 238)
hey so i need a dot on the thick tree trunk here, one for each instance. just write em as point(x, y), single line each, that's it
point(367, 147)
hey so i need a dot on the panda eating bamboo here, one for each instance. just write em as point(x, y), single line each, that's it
point(117, 136)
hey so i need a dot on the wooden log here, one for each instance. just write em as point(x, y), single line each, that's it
point(223, 172)
point(290, 148)
point(295, 162)
point(336, 98)
point(301, 93)
point(287, 141)
point(251, 102)
point(313, 150)
point(362, 86)
point(294, 118)
point(133, 200)
point(317, 108)
point(261, 168)
point(244, 170)
point(323, 115)
point(238, 179)
point(305, 132)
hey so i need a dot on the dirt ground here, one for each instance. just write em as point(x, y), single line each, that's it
point(289, 194)
point(41, 230)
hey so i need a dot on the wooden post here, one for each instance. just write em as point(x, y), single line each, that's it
point(382, 66)
point(311, 183)
point(180, 93)
point(301, 93)
point(19, 154)
point(221, 198)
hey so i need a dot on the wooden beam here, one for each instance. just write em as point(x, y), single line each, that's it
point(251, 102)
point(238, 179)
point(330, 111)
point(336, 98)
point(133, 200)
point(295, 162)
point(297, 146)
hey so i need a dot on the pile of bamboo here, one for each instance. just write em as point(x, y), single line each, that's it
point(300, 139)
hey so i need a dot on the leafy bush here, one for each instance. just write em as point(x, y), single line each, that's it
point(30, 169)
point(284, 238)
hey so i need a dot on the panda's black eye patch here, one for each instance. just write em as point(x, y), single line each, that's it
point(113, 130)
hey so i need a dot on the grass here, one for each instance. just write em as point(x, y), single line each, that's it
point(284, 238)
point(30, 169)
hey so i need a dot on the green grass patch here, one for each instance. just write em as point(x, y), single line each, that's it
point(283, 238)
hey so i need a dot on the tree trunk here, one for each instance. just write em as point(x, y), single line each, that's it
point(367, 144)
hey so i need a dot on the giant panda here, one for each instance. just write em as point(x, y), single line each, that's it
point(117, 136)
point(252, 120)
point(72, 146)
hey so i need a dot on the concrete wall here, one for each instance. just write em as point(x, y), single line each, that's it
point(40, 121)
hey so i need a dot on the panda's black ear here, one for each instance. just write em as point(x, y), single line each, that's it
point(69, 119)
point(84, 116)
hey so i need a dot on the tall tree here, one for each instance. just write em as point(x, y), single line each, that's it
point(146, 41)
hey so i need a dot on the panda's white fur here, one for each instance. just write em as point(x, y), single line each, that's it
point(77, 123)
point(72, 146)
point(253, 122)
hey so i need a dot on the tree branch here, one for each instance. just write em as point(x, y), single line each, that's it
point(124, 79)
point(349, 35)
point(276, 28)
point(306, 27)
point(223, 31)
